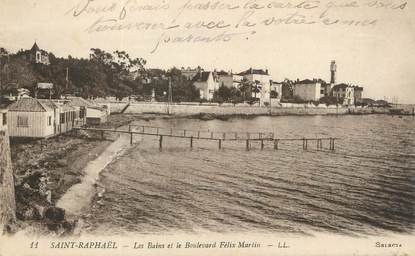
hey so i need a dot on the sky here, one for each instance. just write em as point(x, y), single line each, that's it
point(379, 57)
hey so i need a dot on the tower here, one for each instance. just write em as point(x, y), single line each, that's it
point(333, 69)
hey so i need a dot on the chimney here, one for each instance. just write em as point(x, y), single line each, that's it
point(266, 71)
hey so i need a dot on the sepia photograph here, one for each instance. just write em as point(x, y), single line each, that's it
point(207, 127)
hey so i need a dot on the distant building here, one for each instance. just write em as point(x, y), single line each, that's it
point(190, 73)
point(36, 55)
point(260, 80)
point(344, 93)
point(229, 79)
point(276, 92)
point(358, 94)
point(206, 82)
point(307, 90)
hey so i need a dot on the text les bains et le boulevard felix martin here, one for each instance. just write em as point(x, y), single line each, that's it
point(159, 245)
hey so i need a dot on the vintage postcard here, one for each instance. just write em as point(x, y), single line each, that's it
point(207, 127)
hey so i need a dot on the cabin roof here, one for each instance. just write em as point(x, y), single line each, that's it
point(49, 103)
point(29, 105)
point(67, 107)
point(80, 102)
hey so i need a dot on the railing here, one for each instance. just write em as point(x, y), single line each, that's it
point(220, 137)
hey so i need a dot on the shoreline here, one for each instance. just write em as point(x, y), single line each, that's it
point(45, 172)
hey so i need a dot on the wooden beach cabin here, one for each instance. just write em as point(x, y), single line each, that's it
point(95, 114)
point(30, 118)
point(66, 117)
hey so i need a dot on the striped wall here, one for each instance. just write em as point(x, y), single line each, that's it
point(37, 127)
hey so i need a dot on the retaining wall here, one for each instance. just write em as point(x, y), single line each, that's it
point(7, 196)
point(178, 109)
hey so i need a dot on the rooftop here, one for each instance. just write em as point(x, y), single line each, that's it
point(29, 105)
point(202, 76)
point(254, 72)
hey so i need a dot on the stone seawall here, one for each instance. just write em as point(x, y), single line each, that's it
point(176, 109)
point(7, 196)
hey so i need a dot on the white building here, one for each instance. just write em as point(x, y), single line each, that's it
point(36, 55)
point(260, 81)
point(229, 79)
point(344, 93)
point(190, 73)
point(307, 90)
point(206, 83)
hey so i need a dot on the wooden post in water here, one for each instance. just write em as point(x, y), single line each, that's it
point(220, 144)
point(211, 135)
point(184, 133)
point(131, 138)
point(276, 144)
point(262, 144)
point(161, 142)
point(191, 142)
point(247, 145)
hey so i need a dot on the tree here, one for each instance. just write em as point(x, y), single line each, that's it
point(246, 89)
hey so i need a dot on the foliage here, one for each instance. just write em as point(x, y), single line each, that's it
point(330, 100)
point(103, 74)
point(225, 94)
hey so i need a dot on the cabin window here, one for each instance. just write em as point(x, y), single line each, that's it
point(49, 120)
point(22, 121)
point(4, 118)
point(62, 118)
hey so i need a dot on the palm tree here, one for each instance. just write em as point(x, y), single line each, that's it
point(246, 89)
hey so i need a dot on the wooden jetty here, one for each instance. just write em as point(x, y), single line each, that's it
point(219, 137)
